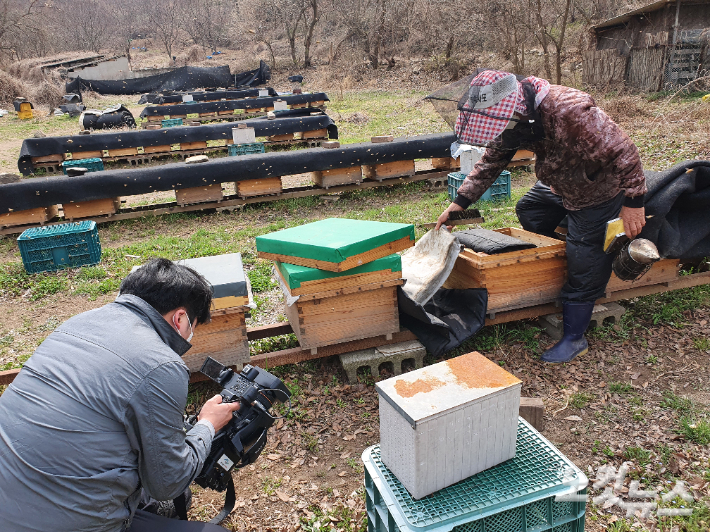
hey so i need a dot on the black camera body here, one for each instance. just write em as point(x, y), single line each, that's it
point(240, 443)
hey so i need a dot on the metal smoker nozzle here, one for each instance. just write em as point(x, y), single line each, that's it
point(643, 251)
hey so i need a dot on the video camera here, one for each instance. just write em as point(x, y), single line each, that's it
point(240, 443)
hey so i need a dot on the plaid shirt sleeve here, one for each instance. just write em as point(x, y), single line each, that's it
point(484, 173)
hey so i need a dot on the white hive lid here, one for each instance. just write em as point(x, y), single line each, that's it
point(445, 386)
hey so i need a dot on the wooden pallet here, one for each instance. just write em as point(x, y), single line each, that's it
point(663, 271)
point(321, 320)
point(379, 172)
point(445, 163)
point(87, 209)
point(337, 176)
point(517, 279)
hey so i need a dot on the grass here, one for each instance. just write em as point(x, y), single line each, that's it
point(580, 400)
point(621, 388)
point(270, 485)
point(640, 455)
point(343, 518)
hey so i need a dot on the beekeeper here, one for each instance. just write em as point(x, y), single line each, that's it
point(587, 169)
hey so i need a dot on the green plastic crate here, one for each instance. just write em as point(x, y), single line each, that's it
point(499, 190)
point(246, 149)
point(171, 122)
point(92, 165)
point(518, 495)
point(55, 247)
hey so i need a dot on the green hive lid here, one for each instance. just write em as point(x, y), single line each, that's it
point(333, 239)
point(295, 275)
point(224, 272)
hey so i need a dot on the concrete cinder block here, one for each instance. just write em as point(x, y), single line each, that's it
point(601, 315)
point(373, 358)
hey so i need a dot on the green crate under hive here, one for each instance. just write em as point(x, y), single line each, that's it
point(335, 244)
point(245, 149)
point(539, 490)
point(499, 190)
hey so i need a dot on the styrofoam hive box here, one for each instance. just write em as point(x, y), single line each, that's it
point(445, 422)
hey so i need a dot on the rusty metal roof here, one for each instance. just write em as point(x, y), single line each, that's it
point(650, 8)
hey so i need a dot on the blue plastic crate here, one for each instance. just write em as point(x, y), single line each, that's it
point(246, 149)
point(54, 247)
point(92, 165)
point(499, 190)
point(539, 490)
point(171, 122)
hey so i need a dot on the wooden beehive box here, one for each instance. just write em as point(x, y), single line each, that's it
point(663, 271)
point(38, 215)
point(186, 196)
point(517, 279)
point(379, 172)
point(85, 209)
point(337, 176)
point(259, 187)
point(225, 337)
point(339, 307)
point(349, 314)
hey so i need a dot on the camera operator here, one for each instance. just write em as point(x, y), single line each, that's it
point(95, 417)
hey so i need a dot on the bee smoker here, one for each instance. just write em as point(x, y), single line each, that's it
point(635, 259)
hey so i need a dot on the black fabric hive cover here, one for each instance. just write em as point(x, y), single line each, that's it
point(230, 105)
point(252, 78)
point(447, 320)
point(45, 191)
point(490, 242)
point(290, 123)
point(679, 200)
point(203, 96)
point(181, 79)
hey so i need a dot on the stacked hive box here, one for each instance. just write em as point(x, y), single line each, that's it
point(446, 422)
point(339, 277)
point(225, 337)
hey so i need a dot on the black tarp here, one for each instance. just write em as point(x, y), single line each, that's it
point(447, 320)
point(490, 242)
point(203, 96)
point(252, 78)
point(679, 200)
point(173, 135)
point(181, 79)
point(45, 191)
point(180, 109)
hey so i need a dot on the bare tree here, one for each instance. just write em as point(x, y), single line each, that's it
point(165, 16)
point(204, 21)
point(290, 13)
point(14, 22)
point(311, 16)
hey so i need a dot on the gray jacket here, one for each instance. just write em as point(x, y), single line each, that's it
point(94, 416)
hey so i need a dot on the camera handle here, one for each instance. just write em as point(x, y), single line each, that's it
point(230, 499)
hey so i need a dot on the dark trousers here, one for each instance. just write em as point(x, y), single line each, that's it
point(148, 522)
point(588, 267)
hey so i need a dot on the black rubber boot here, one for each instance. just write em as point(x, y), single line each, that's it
point(575, 319)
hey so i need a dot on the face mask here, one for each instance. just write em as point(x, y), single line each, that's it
point(189, 323)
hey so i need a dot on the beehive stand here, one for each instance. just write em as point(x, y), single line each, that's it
point(335, 244)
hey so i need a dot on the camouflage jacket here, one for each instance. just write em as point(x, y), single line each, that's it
point(584, 155)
